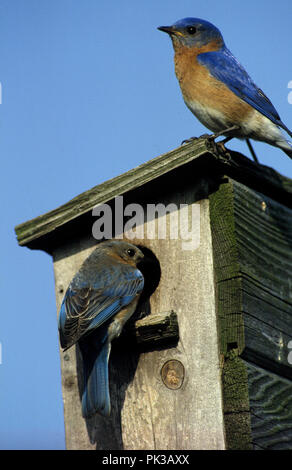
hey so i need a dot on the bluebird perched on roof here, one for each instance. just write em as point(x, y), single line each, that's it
point(218, 90)
point(102, 296)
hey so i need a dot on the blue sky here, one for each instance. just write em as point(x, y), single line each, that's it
point(89, 92)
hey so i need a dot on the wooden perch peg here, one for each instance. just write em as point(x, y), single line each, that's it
point(153, 331)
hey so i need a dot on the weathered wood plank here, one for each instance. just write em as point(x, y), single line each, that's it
point(246, 240)
point(192, 415)
point(270, 399)
point(234, 164)
point(263, 230)
point(106, 191)
point(252, 240)
point(227, 269)
point(253, 269)
point(257, 321)
point(236, 403)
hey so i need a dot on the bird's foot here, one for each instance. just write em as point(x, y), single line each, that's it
point(212, 137)
point(191, 139)
point(218, 149)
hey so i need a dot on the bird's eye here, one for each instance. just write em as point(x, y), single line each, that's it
point(131, 252)
point(191, 30)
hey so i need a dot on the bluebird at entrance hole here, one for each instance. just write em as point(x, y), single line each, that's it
point(101, 297)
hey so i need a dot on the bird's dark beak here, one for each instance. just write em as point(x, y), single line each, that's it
point(170, 30)
point(167, 29)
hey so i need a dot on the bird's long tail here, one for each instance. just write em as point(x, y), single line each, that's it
point(285, 146)
point(96, 397)
point(286, 129)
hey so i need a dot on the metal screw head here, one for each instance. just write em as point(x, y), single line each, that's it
point(172, 374)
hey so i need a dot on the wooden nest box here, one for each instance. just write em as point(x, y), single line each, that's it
point(210, 365)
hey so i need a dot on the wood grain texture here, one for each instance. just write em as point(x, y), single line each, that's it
point(263, 230)
point(146, 414)
point(106, 191)
point(153, 331)
point(44, 231)
point(270, 409)
point(252, 240)
point(236, 403)
point(192, 415)
point(236, 284)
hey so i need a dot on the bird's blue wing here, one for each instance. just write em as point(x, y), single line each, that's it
point(87, 307)
point(224, 67)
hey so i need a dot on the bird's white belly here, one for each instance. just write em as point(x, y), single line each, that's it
point(256, 126)
point(209, 117)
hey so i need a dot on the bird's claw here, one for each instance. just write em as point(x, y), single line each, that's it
point(218, 149)
point(187, 141)
point(191, 139)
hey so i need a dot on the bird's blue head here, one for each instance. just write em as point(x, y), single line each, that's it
point(193, 32)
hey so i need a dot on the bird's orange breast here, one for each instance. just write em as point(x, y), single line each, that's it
point(198, 85)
